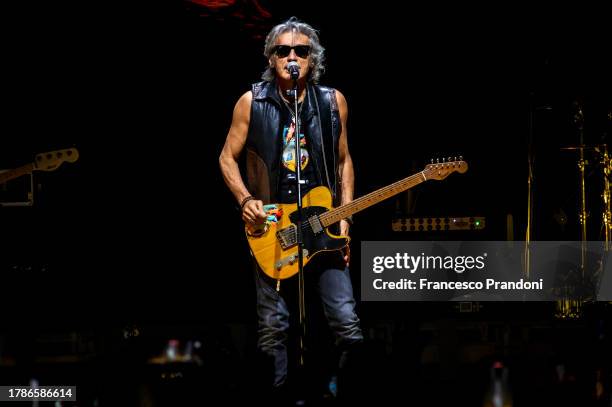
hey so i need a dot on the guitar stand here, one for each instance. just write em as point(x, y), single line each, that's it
point(18, 192)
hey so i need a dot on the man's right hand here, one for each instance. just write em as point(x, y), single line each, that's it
point(253, 213)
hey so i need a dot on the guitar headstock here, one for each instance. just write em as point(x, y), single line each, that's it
point(440, 170)
point(49, 161)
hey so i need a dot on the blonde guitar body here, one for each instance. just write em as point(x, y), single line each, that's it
point(274, 243)
point(277, 256)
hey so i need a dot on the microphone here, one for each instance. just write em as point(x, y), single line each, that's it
point(294, 69)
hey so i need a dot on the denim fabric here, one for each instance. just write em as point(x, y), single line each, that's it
point(334, 287)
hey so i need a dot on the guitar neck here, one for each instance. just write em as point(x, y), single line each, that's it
point(359, 204)
point(16, 173)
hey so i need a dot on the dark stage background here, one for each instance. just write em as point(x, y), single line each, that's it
point(139, 241)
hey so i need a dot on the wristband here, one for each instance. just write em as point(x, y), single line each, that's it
point(244, 201)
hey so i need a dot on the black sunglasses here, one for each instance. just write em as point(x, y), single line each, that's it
point(282, 51)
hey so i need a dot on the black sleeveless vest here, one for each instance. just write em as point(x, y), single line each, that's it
point(321, 121)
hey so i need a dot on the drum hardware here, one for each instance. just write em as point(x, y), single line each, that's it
point(571, 305)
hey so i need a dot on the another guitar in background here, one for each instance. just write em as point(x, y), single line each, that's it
point(48, 161)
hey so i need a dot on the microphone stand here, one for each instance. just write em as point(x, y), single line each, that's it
point(300, 242)
point(530, 179)
point(579, 121)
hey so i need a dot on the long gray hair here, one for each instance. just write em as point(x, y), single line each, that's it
point(317, 52)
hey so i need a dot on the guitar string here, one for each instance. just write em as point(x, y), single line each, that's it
point(306, 226)
point(358, 201)
point(376, 194)
point(401, 183)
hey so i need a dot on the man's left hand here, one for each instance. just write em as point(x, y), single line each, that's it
point(344, 231)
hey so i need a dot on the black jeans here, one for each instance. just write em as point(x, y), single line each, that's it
point(333, 284)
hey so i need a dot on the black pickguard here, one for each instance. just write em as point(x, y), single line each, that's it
point(316, 242)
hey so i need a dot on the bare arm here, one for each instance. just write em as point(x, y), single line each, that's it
point(228, 159)
point(345, 163)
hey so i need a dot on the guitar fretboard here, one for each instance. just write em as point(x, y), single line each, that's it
point(359, 204)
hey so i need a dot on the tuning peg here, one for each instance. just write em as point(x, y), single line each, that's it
point(455, 158)
point(437, 161)
point(460, 158)
point(443, 160)
point(450, 159)
point(432, 160)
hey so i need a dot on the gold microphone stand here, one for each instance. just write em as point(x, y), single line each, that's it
point(570, 307)
point(606, 166)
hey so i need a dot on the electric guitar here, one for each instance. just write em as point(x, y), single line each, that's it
point(274, 243)
point(43, 162)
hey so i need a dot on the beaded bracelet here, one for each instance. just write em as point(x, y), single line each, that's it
point(245, 200)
